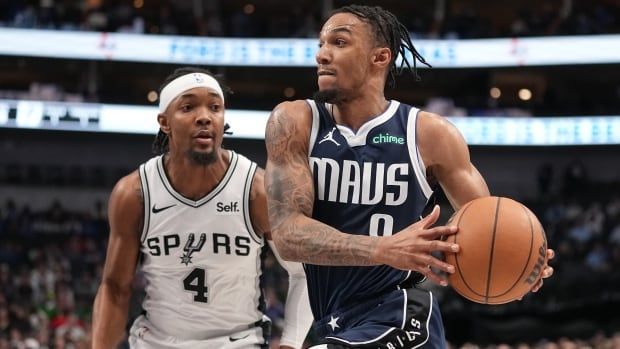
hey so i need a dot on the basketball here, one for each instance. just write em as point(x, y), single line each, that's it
point(503, 250)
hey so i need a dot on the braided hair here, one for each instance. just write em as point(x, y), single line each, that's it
point(390, 32)
point(160, 144)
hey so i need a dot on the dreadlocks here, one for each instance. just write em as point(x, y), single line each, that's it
point(160, 144)
point(390, 32)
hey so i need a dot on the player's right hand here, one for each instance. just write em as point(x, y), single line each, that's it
point(411, 248)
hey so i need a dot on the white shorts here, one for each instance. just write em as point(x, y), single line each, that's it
point(143, 335)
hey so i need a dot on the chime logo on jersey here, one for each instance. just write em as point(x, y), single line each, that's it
point(382, 138)
point(351, 182)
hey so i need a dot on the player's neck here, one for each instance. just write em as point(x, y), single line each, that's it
point(356, 112)
point(193, 180)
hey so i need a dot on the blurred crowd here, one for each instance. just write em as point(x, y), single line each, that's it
point(51, 262)
point(428, 19)
point(51, 259)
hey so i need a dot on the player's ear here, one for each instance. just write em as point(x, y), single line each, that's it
point(163, 123)
point(382, 57)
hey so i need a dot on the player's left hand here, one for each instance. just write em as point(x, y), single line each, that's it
point(547, 271)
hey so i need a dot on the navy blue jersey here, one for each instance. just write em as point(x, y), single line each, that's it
point(371, 182)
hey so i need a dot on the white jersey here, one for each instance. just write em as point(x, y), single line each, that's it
point(201, 259)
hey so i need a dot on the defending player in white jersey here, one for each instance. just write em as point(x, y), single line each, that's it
point(196, 217)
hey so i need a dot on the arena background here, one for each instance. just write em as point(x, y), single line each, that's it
point(59, 162)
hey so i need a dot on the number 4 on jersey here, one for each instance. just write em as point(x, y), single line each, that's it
point(196, 281)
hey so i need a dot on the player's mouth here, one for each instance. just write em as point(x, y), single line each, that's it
point(325, 77)
point(204, 137)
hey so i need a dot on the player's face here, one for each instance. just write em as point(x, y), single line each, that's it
point(345, 46)
point(196, 124)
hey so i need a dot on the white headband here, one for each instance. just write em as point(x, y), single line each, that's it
point(184, 83)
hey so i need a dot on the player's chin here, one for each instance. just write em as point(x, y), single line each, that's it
point(324, 85)
point(203, 156)
point(328, 95)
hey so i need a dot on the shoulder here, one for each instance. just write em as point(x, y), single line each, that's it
point(288, 127)
point(126, 207)
point(288, 108)
point(431, 125)
point(127, 193)
point(287, 115)
point(258, 184)
point(257, 173)
point(437, 136)
point(258, 204)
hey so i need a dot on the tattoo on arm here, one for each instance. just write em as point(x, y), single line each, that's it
point(321, 244)
point(290, 194)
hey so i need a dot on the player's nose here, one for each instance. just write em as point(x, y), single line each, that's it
point(203, 117)
point(322, 55)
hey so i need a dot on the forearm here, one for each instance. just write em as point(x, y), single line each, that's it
point(303, 239)
point(109, 317)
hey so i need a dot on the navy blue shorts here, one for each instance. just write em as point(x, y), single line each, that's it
point(408, 318)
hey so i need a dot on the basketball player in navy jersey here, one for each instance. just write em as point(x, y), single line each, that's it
point(196, 218)
point(347, 179)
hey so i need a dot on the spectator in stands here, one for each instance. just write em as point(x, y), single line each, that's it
point(170, 17)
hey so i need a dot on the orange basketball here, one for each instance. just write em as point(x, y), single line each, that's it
point(503, 250)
